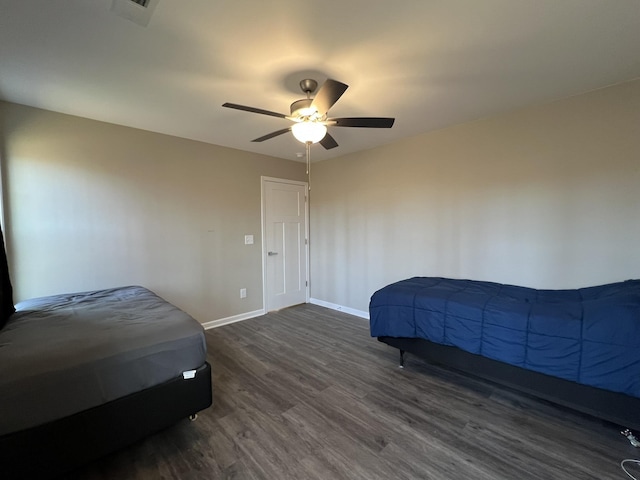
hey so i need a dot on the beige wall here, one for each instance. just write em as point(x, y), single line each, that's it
point(91, 205)
point(547, 197)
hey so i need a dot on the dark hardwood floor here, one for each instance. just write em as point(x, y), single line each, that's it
point(306, 393)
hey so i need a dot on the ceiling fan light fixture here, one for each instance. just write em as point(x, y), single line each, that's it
point(311, 132)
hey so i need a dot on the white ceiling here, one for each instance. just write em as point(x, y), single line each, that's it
point(428, 63)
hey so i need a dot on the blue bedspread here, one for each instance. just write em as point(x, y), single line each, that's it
point(588, 335)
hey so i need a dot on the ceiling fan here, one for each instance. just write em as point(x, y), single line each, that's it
point(310, 115)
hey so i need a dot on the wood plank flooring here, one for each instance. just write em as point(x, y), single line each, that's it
point(306, 393)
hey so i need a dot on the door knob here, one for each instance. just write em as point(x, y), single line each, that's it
point(271, 254)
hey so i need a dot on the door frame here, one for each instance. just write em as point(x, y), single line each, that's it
point(263, 212)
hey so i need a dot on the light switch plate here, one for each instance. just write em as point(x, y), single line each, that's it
point(248, 239)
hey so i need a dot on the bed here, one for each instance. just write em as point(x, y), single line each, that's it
point(577, 348)
point(84, 374)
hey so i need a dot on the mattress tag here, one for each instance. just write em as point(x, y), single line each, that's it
point(189, 374)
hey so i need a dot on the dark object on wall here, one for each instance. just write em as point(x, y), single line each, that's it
point(6, 290)
point(577, 348)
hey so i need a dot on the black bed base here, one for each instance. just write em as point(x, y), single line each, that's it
point(49, 450)
point(613, 407)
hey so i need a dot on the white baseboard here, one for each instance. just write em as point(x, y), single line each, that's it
point(340, 308)
point(233, 319)
point(256, 313)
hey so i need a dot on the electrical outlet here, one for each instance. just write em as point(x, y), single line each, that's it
point(243, 293)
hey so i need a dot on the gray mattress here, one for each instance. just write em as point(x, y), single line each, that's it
point(63, 354)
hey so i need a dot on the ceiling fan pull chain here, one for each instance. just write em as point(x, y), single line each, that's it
point(308, 144)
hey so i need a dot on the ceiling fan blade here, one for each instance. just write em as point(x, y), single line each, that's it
point(271, 135)
point(328, 142)
point(366, 122)
point(253, 110)
point(328, 95)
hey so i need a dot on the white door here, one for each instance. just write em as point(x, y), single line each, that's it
point(284, 243)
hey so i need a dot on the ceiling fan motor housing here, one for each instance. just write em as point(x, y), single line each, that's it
point(302, 108)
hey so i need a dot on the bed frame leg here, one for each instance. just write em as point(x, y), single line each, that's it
point(401, 358)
